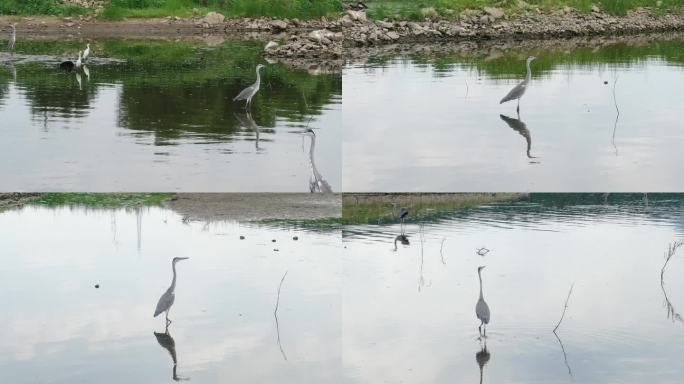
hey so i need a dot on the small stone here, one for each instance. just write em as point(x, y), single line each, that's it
point(279, 25)
point(242, 237)
point(97, 285)
point(213, 18)
point(393, 35)
point(295, 238)
point(605, 82)
point(494, 12)
point(271, 45)
point(595, 8)
point(273, 241)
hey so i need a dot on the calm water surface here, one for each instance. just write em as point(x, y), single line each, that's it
point(434, 123)
point(156, 115)
point(409, 313)
point(56, 327)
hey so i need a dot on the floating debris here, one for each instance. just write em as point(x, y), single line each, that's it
point(482, 251)
point(273, 240)
point(97, 285)
point(295, 238)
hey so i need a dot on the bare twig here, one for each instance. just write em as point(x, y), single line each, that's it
point(617, 116)
point(467, 88)
point(565, 308)
point(275, 314)
point(441, 255)
point(671, 251)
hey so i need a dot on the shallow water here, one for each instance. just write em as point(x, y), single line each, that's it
point(56, 327)
point(434, 123)
point(409, 314)
point(155, 115)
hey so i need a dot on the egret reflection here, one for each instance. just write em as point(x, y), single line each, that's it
point(481, 308)
point(166, 300)
point(166, 341)
point(316, 181)
point(520, 127)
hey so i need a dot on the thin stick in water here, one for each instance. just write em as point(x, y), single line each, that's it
point(565, 308)
point(275, 314)
point(617, 116)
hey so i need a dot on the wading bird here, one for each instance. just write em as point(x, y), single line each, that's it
point(481, 308)
point(166, 300)
point(316, 181)
point(250, 91)
point(79, 62)
point(86, 53)
point(519, 90)
point(12, 38)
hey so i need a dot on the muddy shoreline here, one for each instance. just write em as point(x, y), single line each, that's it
point(300, 43)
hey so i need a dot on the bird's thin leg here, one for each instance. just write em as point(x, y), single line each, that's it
point(518, 109)
point(485, 332)
point(480, 329)
point(168, 321)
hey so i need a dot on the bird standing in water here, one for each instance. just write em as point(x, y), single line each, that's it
point(481, 308)
point(519, 90)
point(13, 38)
point(250, 91)
point(166, 300)
point(86, 53)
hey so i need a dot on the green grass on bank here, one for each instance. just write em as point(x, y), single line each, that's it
point(302, 9)
point(416, 9)
point(119, 9)
point(40, 7)
point(102, 200)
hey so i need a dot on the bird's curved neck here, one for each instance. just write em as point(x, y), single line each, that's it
point(173, 282)
point(479, 275)
point(528, 76)
point(258, 81)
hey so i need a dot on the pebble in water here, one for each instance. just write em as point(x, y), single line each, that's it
point(97, 285)
point(242, 237)
point(295, 238)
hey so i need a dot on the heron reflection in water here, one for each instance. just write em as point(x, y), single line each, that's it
point(482, 357)
point(403, 239)
point(246, 120)
point(316, 181)
point(166, 300)
point(166, 341)
point(520, 127)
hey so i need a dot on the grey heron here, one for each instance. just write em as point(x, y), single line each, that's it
point(250, 91)
point(12, 38)
point(86, 53)
point(519, 90)
point(316, 181)
point(166, 300)
point(481, 308)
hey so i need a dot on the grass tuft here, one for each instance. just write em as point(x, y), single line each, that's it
point(102, 200)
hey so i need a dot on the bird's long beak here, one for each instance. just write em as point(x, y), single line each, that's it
point(183, 258)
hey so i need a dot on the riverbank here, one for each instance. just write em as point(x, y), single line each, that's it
point(380, 208)
point(329, 39)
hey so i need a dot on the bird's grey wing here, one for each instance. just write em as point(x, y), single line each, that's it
point(245, 93)
point(515, 93)
point(164, 303)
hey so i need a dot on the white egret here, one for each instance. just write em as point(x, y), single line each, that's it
point(481, 308)
point(79, 62)
point(166, 300)
point(519, 90)
point(250, 91)
point(86, 53)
